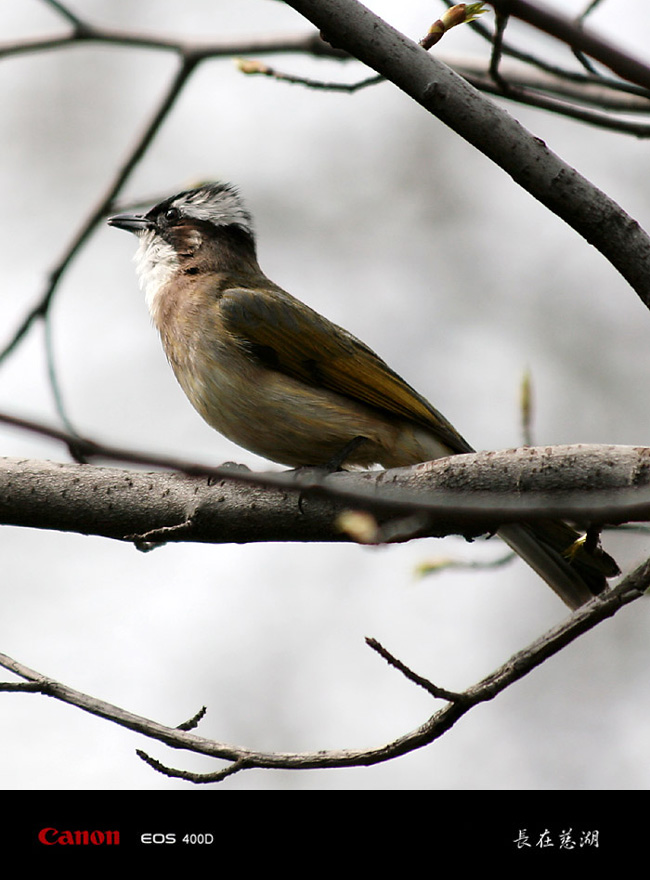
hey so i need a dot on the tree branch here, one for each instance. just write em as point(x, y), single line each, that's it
point(489, 128)
point(517, 667)
point(578, 38)
point(463, 494)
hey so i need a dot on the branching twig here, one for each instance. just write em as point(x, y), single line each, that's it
point(569, 75)
point(191, 54)
point(577, 37)
point(516, 668)
point(188, 775)
point(460, 13)
point(596, 217)
point(532, 98)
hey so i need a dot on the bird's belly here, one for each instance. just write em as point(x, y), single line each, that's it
point(287, 421)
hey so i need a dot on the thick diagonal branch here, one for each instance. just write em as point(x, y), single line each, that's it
point(489, 128)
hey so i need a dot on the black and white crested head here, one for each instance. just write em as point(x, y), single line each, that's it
point(217, 203)
point(197, 230)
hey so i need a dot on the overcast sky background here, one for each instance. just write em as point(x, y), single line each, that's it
point(378, 216)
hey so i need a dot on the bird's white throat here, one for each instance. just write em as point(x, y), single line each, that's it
point(156, 264)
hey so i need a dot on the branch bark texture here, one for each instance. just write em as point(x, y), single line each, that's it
point(462, 494)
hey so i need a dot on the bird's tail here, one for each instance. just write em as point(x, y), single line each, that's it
point(561, 556)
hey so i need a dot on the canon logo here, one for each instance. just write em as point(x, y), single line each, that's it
point(52, 836)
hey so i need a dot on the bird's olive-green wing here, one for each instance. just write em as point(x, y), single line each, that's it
point(293, 339)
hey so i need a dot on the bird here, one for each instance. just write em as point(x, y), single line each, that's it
point(279, 379)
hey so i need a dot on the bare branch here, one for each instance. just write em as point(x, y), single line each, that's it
point(196, 50)
point(516, 668)
point(577, 37)
point(527, 159)
point(459, 14)
point(589, 90)
point(612, 84)
point(66, 13)
point(437, 692)
point(500, 85)
point(256, 68)
point(188, 775)
point(563, 108)
point(463, 494)
point(506, 88)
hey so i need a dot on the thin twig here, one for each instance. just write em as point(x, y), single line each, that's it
point(190, 776)
point(256, 68)
point(514, 669)
point(74, 19)
point(527, 159)
point(497, 52)
point(438, 693)
point(194, 721)
point(577, 37)
point(557, 70)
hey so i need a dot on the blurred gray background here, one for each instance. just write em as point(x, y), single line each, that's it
point(379, 217)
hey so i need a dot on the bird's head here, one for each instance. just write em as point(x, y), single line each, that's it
point(203, 229)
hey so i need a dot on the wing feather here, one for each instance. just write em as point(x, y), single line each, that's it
point(297, 341)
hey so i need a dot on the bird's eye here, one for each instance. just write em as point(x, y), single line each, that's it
point(172, 215)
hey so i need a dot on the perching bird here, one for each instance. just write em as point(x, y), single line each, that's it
point(279, 379)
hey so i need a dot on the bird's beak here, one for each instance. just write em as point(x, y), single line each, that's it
point(136, 223)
